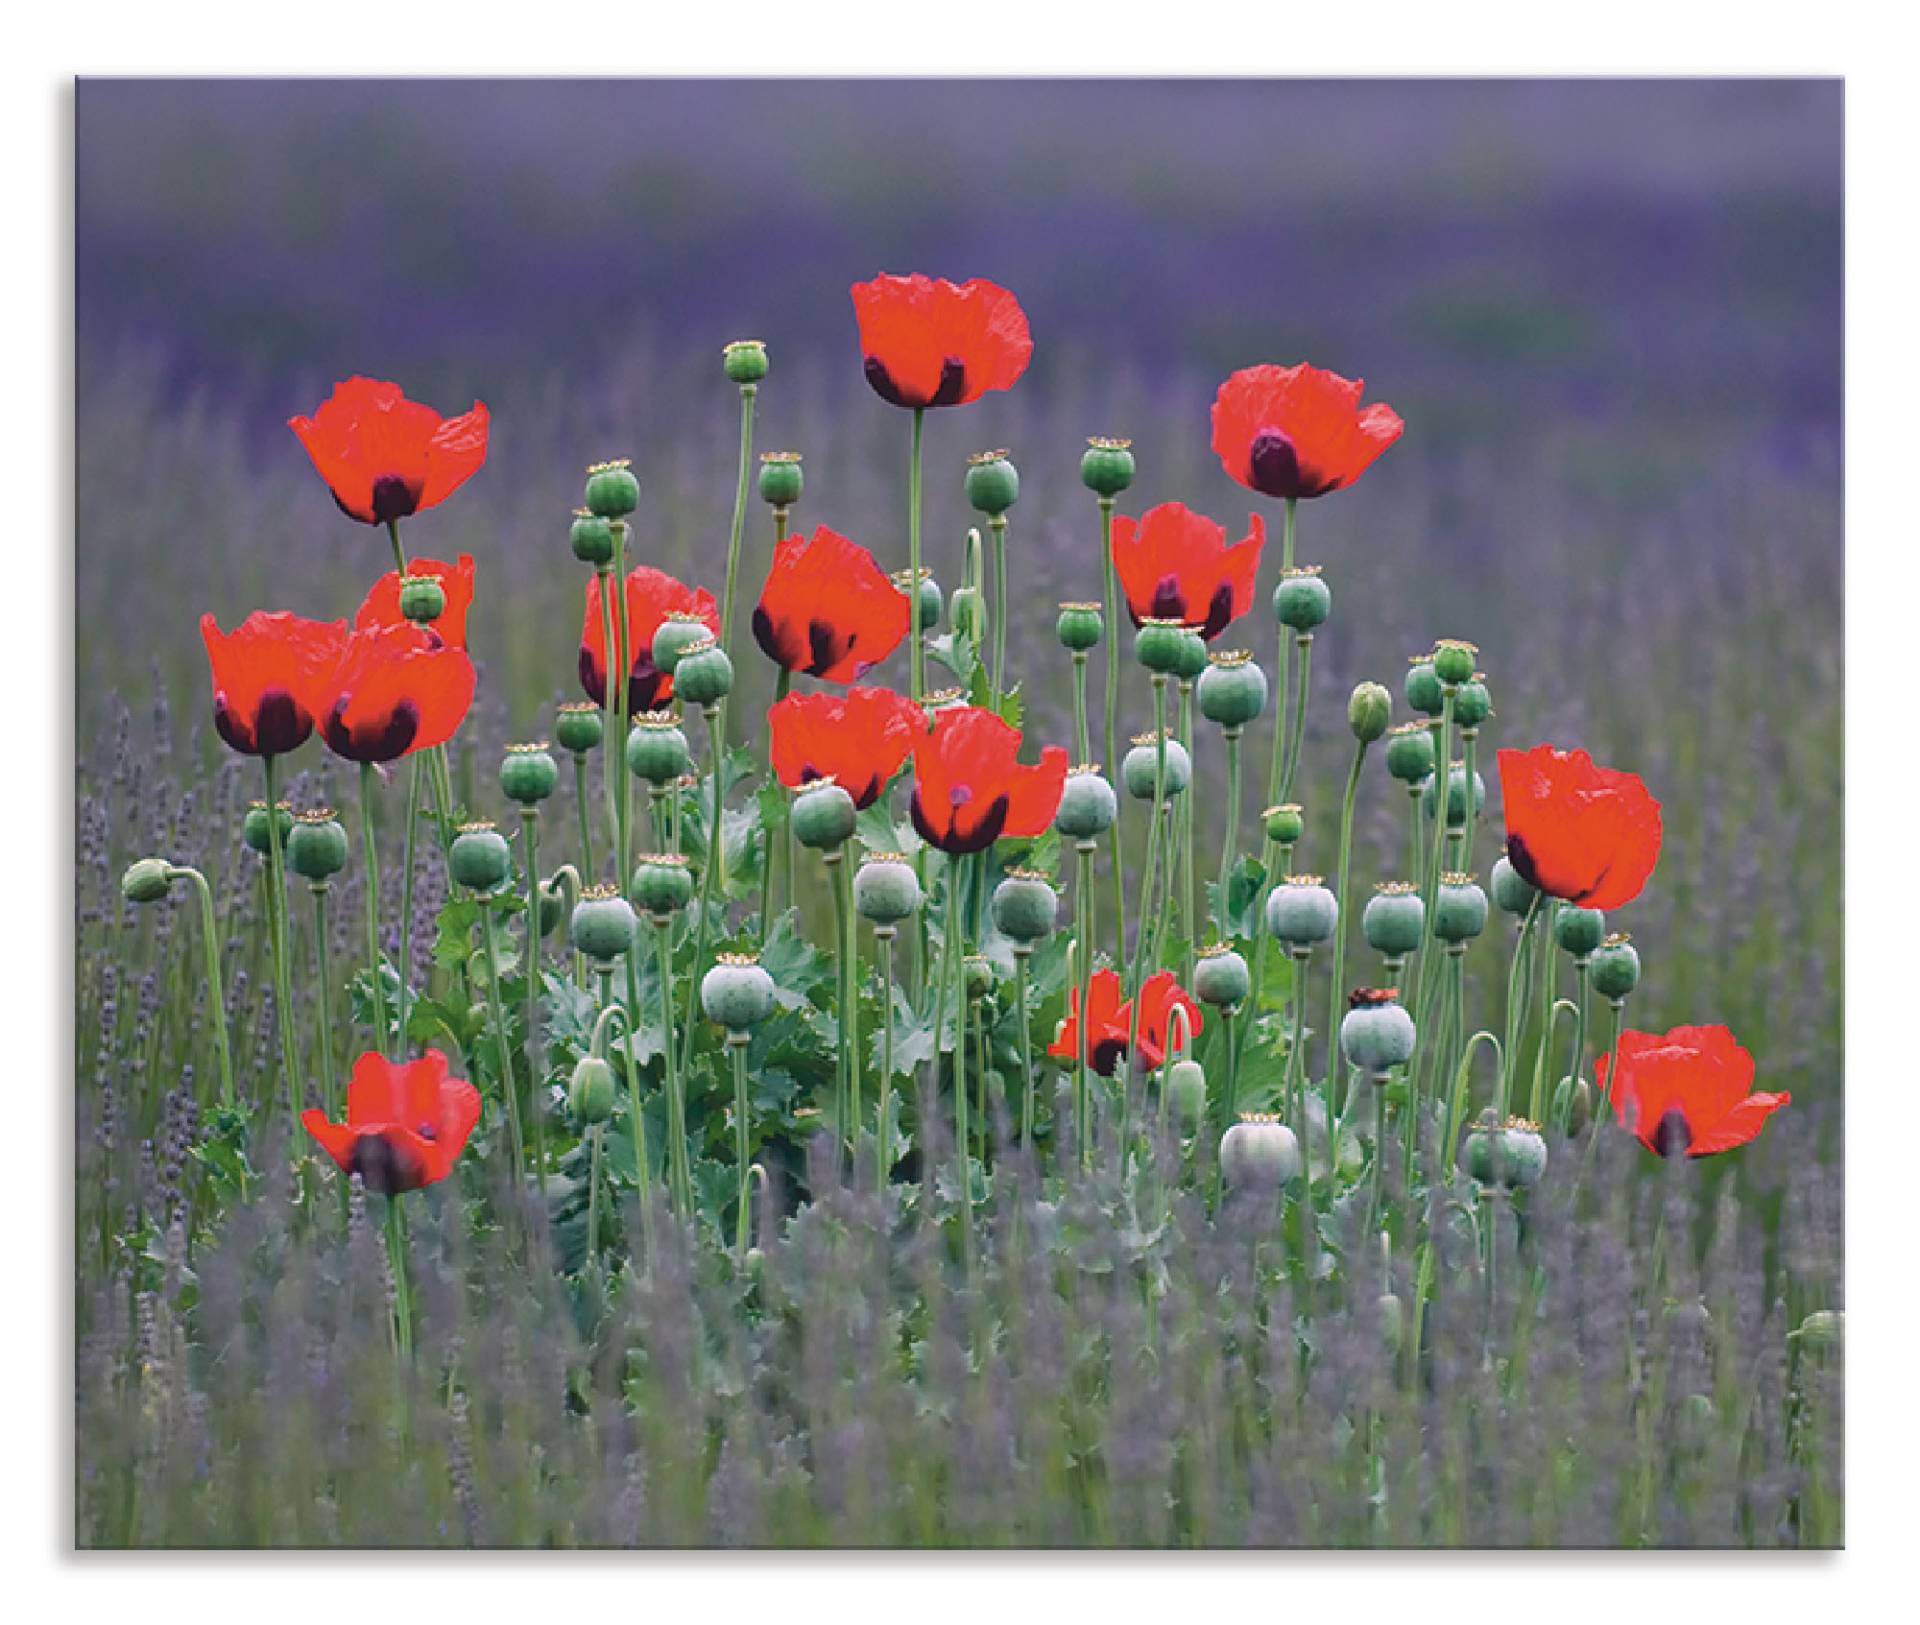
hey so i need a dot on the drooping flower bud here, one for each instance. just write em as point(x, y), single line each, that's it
point(1140, 772)
point(662, 883)
point(1107, 467)
point(1394, 921)
point(253, 826)
point(1579, 930)
point(147, 881)
point(1186, 1087)
point(1220, 977)
point(1232, 691)
point(317, 845)
point(480, 858)
point(612, 490)
point(1088, 805)
point(737, 993)
point(1512, 890)
point(603, 924)
point(1453, 661)
point(1285, 824)
point(928, 602)
point(745, 360)
point(590, 1092)
point(1376, 1034)
point(969, 612)
point(1025, 906)
point(1301, 911)
point(657, 750)
point(823, 816)
point(528, 774)
point(1302, 601)
point(703, 673)
point(781, 481)
point(1614, 970)
point(1369, 710)
point(885, 889)
point(1079, 627)
point(591, 538)
point(1459, 909)
point(976, 975)
point(1259, 1153)
point(579, 727)
point(993, 483)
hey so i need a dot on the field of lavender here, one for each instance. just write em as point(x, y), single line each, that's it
point(1066, 1318)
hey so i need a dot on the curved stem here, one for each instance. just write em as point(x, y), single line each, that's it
point(216, 997)
point(380, 1038)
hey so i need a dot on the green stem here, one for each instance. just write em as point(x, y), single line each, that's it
point(883, 1137)
point(380, 1029)
point(1299, 734)
point(399, 553)
point(282, 957)
point(682, 1173)
point(1082, 738)
point(1334, 1079)
point(846, 1105)
point(915, 652)
point(1230, 846)
point(998, 524)
point(1442, 770)
point(1516, 1003)
point(622, 695)
point(1283, 673)
point(1189, 902)
point(497, 1005)
point(1111, 594)
point(716, 861)
point(1536, 1099)
point(747, 395)
point(742, 1227)
point(580, 799)
point(780, 846)
point(323, 970)
point(216, 997)
point(536, 1051)
point(953, 978)
point(1083, 899)
point(1021, 954)
point(611, 1013)
point(593, 1193)
point(405, 966)
point(402, 1290)
point(1142, 955)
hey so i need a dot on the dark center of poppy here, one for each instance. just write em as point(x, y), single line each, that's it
point(393, 498)
point(1169, 602)
point(824, 647)
point(377, 739)
point(1275, 465)
point(1672, 1136)
point(382, 1167)
point(952, 385)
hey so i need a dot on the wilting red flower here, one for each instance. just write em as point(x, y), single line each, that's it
point(929, 343)
point(381, 606)
point(384, 456)
point(969, 787)
point(397, 689)
point(270, 676)
point(1176, 565)
point(406, 1125)
point(1589, 835)
point(1110, 1020)
point(1688, 1091)
point(827, 609)
point(1298, 431)
point(652, 595)
point(858, 739)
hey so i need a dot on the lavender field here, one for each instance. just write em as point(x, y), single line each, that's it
point(1610, 315)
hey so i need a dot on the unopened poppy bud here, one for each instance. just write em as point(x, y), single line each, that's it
point(1423, 690)
point(680, 631)
point(1459, 909)
point(553, 907)
point(1512, 890)
point(1472, 704)
point(662, 884)
point(1259, 1153)
point(1302, 601)
point(1079, 627)
point(1614, 970)
point(1376, 1034)
point(737, 993)
point(1141, 770)
point(528, 774)
point(1394, 921)
point(823, 816)
point(969, 612)
point(590, 1092)
point(1369, 710)
point(1107, 468)
point(1157, 645)
point(480, 858)
point(657, 750)
point(591, 538)
point(993, 483)
point(147, 881)
point(1088, 805)
point(1220, 977)
point(1301, 911)
point(1511, 1153)
point(1579, 930)
point(603, 924)
point(1572, 1103)
point(1025, 906)
point(976, 974)
point(317, 845)
point(612, 490)
point(578, 727)
point(703, 675)
point(1823, 1329)
point(422, 598)
point(1186, 1086)
point(781, 481)
point(885, 889)
point(253, 826)
point(1392, 1322)
point(1453, 661)
point(1456, 795)
point(745, 361)
point(928, 602)
point(1284, 824)
point(1410, 751)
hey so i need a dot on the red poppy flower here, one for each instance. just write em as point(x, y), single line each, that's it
point(827, 609)
point(1587, 834)
point(969, 787)
point(858, 739)
point(406, 1125)
point(652, 595)
point(929, 343)
point(1111, 1020)
point(397, 689)
point(382, 604)
point(1159, 996)
point(1176, 565)
point(1298, 431)
point(1690, 1091)
point(384, 456)
point(270, 676)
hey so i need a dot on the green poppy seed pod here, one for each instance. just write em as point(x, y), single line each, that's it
point(1393, 1322)
point(422, 598)
point(1472, 704)
point(317, 845)
point(662, 884)
point(993, 483)
point(737, 993)
point(680, 631)
point(591, 538)
point(579, 727)
point(1302, 601)
point(1232, 690)
point(1394, 921)
point(528, 774)
point(1088, 805)
point(1259, 1153)
point(1376, 1033)
point(1025, 906)
point(969, 612)
point(1079, 627)
point(1423, 690)
point(1511, 890)
point(612, 490)
point(480, 858)
point(1369, 710)
point(657, 750)
point(1514, 1154)
point(976, 971)
point(1157, 645)
point(1453, 661)
point(781, 481)
point(147, 881)
point(1107, 468)
point(1614, 970)
point(1459, 909)
point(603, 924)
point(823, 816)
point(1220, 977)
point(1301, 911)
point(703, 675)
point(928, 601)
point(1410, 752)
point(745, 361)
point(1579, 930)
point(590, 1093)
point(885, 889)
point(1456, 795)
point(253, 826)
point(1141, 770)
point(1191, 653)
point(1186, 1087)
point(1285, 824)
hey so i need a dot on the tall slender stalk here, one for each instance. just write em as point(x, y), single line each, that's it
point(405, 967)
point(1340, 930)
point(716, 861)
point(1189, 919)
point(952, 980)
point(380, 1038)
point(916, 654)
point(536, 1050)
point(998, 524)
point(496, 1004)
point(1082, 976)
point(1230, 845)
point(611, 1013)
point(323, 974)
point(282, 958)
point(742, 1225)
point(748, 392)
point(1081, 737)
point(1111, 599)
point(216, 996)
point(396, 1234)
point(883, 1134)
point(680, 1169)
point(580, 799)
point(1021, 954)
